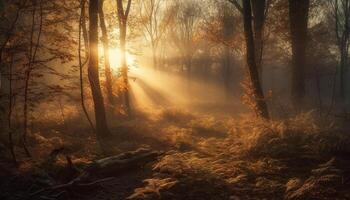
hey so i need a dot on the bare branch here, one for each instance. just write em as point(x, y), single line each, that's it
point(127, 9)
point(237, 5)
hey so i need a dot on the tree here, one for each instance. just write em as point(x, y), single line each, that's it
point(260, 105)
point(184, 31)
point(154, 21)
point(259, 10)
point(7, 53)
point(33, 49)
point(228, 24)
point(122, 19)
point(105, 42)
point(341, 13)
point(298, 17)
point(102, 130)
point(24, 27)
point(83, 30)
point(9, 114)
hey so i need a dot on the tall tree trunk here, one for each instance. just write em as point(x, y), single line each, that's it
point(9, 34)
point(298, 14)
point(9, 115)
point(258, 96)
point(343, 62)
point(154, 55)
point(31, 61)
point(122, 19)
point(124, 67)
point(341, 13)
point(82, 27)
point(259, 7)
point(228, 31)
point(105, 42)
point(102, 130)
point(227, 71)
point(26, 84)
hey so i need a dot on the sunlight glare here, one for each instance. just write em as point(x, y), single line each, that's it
point(115, 57)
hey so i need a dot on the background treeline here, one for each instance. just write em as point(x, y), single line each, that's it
point(276, 54)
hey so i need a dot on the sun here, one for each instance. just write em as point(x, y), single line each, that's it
point(115, 57)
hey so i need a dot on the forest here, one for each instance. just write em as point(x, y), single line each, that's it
point(174, 99)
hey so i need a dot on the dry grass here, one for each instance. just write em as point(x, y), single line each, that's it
point(273, 160)
point(303, 157)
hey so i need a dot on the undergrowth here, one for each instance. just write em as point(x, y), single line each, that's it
point(280, 159)
point(304, 157)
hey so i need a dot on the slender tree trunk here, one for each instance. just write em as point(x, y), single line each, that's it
point(9, 117)
point(341, 13)
point(31, 61)
point(259, 7)
point(154, 56)
point(84, 30)
point(26, 85)
point(318, 88)
point(343, 63)
point(82, 26)
point(260, 103)
point(25, 115)
point(342, 74)
point(298, 14)
point(228, 30)
point(9, 34)
point(105, 42)
point(189, 68)
point(122, 19)
point(102, 130)
point(227, 71)
point(62, 115)
point(124, 66)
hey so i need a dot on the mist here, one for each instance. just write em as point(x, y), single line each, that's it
point(185, 99)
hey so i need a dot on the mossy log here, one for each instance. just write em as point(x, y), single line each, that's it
point(112, 166)
point(105, 169)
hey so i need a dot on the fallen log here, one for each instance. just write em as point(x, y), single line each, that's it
point(114, 165)
point(105, 169)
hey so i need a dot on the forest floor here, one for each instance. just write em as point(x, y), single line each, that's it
point(205, 157)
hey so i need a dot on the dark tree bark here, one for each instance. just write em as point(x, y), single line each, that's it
point(105, 42)
point(9, 117)
point(9, 33)
point(341, 13)
point(82, 26)
point(298, 14)
point(259, 8)
point(102, 170)
point(102, 130)
point(7, 37)
point(122, 19)
point(258, 96)
point(33, 49)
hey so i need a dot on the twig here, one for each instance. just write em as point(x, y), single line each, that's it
point(70, 185)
